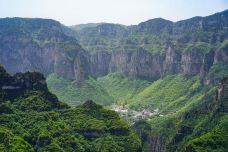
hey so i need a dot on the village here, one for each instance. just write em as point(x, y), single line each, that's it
point(132, 115)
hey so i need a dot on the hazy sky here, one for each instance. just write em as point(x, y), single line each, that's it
point(71, 12)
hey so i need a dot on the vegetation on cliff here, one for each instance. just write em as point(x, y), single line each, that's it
point(105, 90)
point(195, 120)
point(163, 72)
point(154, 35)
point(32, 119)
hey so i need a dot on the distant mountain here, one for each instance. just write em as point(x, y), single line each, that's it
point(82, 26)
point(40, 44)
point(149, 50)
point(157, 47)
point(156, 34)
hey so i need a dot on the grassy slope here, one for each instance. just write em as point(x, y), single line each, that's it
point(209, 126)
point(168, 93)
point(188, 114)
point(122, 88)
point(105, 90)
point(75, 93)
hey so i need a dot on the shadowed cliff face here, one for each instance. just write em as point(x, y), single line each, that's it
point(150, 50)
point(72, 67)
point(42, 45)
point(144, 65)
point(222, 95)
point(138, 64)
point(23, 57)
point(157, 47)
point(100, 63)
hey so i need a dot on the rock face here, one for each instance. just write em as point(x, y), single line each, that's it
point(221, 56)
point(138, 64)
point(23, 58)
point(74, 67)
point(22, 85)
point(49, 47)
point(144, 65)
point(172, 62)
point(185, 47)
point(157, 144)
point(42, 45)
point(99, 63)
point(222, 95)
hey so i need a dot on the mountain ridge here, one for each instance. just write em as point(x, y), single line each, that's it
point(113, 48)
point(99, 23)
point(169, 80)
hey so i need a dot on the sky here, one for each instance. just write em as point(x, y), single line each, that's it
point(128, 12)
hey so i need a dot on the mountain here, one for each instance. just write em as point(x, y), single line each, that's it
point(149, 51)
point(167, 79)
point(157, 47)
point(154, 49)
point(156, 34)
point(82, 26)
point(33, 119)
point(40, 44)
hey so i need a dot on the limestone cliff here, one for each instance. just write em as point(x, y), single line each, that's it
point(42, 45)
point(157, 47)
point(149, 50)
point(144, 65)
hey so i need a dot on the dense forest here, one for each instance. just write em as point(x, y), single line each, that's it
point(33, 119)
point(159, 86)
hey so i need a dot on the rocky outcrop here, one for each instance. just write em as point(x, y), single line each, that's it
point(81, 66)
point(157, 144)
point(137, 64)
point(22, 85)
point(99, 63)
point(21, 81)
point(74, 68)
point(222, 95)
point(208, 61)
point(221, 56)
point(63, 66)
point(172, 62)
point(192, 62)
